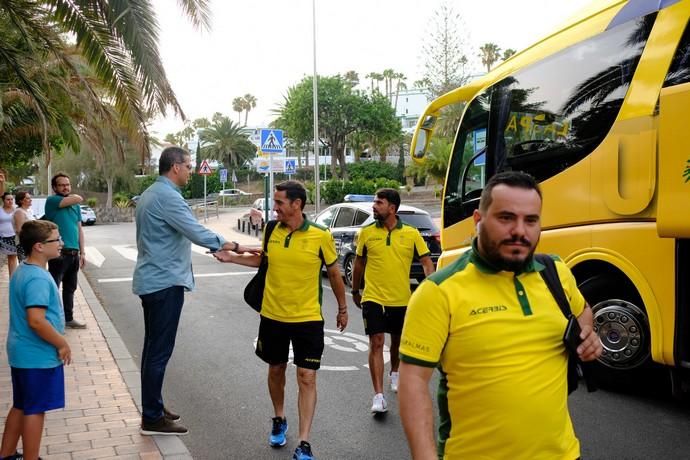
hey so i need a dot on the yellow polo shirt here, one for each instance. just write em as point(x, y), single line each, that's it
point(389, 257)
point(497, 338)
point(293, 290)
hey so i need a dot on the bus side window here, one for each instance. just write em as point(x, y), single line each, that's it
point(679, 72)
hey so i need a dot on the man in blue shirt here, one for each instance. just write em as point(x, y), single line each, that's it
point(166, 228)
point(62, 208)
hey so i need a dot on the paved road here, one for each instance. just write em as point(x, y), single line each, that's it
point(218, 384)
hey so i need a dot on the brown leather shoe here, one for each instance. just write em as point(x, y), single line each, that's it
point(163, 427)
point(173, 417)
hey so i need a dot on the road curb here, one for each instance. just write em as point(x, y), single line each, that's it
point(171, 447)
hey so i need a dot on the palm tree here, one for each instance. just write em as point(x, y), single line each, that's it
point(388, 76)
point(238, 106)
point(118, 42)
point(507, 53)
point(489, 54)
point(400, 86)
point(352, 78)
point(224, 141)
point(249, 102)
point(375, 77)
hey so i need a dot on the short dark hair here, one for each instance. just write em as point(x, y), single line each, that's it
point(293, 190)
point(511, 179)
point(53, 181)
point(19, 197)
point(169, 157)
point(35, 231)
point(391, 195)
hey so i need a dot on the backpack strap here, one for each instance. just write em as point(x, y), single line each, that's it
point(553, 282)
point(270, 226)
point(576, 367)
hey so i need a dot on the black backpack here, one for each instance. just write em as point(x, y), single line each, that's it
point(576, 368)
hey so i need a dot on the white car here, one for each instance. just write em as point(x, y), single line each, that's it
point(233, 192)
point(256, 213)
point(88, 216)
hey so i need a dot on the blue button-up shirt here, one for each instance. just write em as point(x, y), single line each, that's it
point(166, 228)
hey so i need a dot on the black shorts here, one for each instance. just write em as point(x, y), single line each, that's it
point(379, 319)
point(273, 345)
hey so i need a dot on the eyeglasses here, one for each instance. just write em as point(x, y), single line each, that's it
point(59, 238)
point(188, 165)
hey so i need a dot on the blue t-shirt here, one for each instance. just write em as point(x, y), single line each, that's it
point(67, 219)
point(32, 286)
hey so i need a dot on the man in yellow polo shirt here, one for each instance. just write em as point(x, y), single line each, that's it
point(291, 308)
point(491, 325)
point(385, 250)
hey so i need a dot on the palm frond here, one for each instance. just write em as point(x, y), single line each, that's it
point(198, 12)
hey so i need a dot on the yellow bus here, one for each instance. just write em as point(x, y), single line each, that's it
point(599, 113)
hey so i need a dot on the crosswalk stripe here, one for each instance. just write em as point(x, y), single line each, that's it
point(94, 256)
point(126, 251)
point(200, 250)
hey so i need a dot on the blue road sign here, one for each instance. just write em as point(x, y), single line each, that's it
point(272, 140)
point(290, 166)
point(223, 175)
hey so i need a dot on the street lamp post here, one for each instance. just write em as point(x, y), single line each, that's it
point(317, 198)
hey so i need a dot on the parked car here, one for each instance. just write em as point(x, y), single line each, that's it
point(88, 216)
point(345, 219)
point(256, 213)
point(233, 192)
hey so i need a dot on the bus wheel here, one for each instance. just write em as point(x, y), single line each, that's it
point(623, 328)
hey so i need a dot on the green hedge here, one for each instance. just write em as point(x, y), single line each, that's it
point(334, 191)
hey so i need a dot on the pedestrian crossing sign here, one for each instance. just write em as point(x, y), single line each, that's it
point(290, 166)
point(205, 169)
point(271, 141)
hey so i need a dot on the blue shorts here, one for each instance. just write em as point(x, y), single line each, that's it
point(36, 391)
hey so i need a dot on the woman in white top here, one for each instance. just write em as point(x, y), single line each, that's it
point(21, 215)
point(7, 244)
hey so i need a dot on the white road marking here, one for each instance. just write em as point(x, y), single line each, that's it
point(94, 256)
point(201, 275)
point(126, 251)
point(200, 250)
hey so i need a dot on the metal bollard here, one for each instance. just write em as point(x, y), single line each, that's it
point(238, 223)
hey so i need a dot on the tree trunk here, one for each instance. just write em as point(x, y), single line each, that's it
point(109, 201)
point(338, 156)
point(334, 161)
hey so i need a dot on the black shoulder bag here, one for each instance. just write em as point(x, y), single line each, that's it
point(576, 368)
point(254, 291)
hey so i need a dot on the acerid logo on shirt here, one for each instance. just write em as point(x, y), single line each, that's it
point(483, 310)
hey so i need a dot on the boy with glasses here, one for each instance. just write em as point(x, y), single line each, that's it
point(36, 346)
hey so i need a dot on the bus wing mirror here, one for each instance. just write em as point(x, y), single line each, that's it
point(420, 143)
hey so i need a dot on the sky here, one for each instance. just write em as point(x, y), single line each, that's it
point(263, 47)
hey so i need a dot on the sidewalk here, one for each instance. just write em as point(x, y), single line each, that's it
point(102, 414)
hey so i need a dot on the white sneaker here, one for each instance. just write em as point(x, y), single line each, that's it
point(394, 381)
point(378, 405)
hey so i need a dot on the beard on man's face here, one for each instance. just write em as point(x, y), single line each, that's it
point(492, 252)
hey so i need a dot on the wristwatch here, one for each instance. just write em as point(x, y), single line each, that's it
point(355, 291)
point(237, 246)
